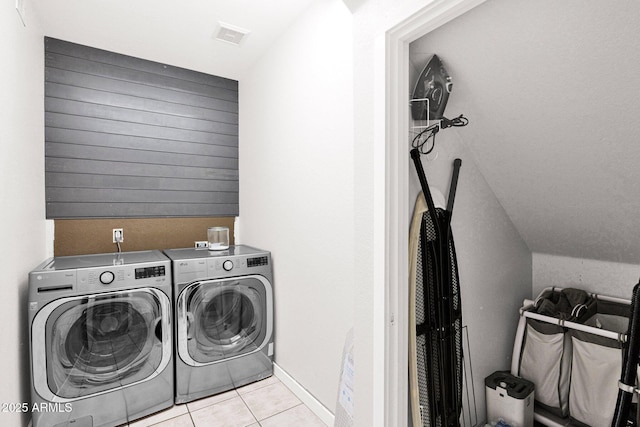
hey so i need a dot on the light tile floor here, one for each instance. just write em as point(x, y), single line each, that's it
point(267, 403)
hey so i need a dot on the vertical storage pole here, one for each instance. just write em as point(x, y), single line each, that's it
point(630, 364)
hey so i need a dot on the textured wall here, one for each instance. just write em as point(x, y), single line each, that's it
point(559, 151)
point(600, 277)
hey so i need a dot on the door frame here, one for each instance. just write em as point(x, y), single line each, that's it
point(397, 205)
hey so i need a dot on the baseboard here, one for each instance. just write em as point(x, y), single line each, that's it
point(307, 398)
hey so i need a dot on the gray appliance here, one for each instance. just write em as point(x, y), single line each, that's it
point(100, 336)
point(224, 319)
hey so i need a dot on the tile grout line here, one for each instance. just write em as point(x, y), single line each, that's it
point(238, 394)
point(241, 395)
point(272, 415)
point(168, 419)
point(247, 406)
point(193, 422)
point(278, 413)
point(304, 395)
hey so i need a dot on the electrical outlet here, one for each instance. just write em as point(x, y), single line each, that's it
point(202, 244)
point(118, 235)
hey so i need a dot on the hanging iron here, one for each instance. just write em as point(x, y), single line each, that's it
point(428, 102)
point(431, 91)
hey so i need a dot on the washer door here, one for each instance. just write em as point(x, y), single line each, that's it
point(88, 345)
point(223, 319)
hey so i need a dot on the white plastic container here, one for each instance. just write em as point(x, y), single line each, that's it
point(509, 398)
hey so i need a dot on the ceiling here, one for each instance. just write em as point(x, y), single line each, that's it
point(173, 32)
point(552, 92)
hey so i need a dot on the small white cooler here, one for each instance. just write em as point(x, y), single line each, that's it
point(509, 398)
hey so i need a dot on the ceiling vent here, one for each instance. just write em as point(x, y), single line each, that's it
point(230, 33)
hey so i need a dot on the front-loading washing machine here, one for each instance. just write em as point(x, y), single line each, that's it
point(100, 338)
point(224, 319)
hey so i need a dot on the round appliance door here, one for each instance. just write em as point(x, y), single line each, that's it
point(87, 345)
point(222, 319)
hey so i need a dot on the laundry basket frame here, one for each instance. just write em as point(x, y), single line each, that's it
point(526, 312)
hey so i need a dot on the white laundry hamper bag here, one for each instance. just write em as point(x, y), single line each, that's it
point(595, 370)
point(546, 362)
point(596, 366)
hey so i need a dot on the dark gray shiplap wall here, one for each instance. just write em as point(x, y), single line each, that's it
point(126, 137)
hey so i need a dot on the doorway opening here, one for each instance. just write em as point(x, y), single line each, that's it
point(396, 194)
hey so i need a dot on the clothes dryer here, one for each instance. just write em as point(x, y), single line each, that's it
point(100, 338)
point(224, 319)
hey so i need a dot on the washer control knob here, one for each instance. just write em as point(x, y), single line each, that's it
point(106, 277)
point(227, 265)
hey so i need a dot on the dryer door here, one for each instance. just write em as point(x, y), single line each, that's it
point(222, 319)
point(87, 345)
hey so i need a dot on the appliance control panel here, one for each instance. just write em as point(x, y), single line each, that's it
point(237, 264)
point(100, 276)
point(146, 272)
point(228, 264)
point(119, 276)
point(257, 261)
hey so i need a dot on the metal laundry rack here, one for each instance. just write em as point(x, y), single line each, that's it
point(593, 386)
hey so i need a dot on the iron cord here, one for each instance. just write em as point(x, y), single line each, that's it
point(425, 140)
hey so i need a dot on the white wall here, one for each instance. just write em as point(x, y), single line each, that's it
point(296, 189)
point(601, 277)
point(21, 193)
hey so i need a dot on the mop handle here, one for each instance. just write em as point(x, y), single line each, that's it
point(630, 363)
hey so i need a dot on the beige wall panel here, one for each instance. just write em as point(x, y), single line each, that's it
point(91, 236)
